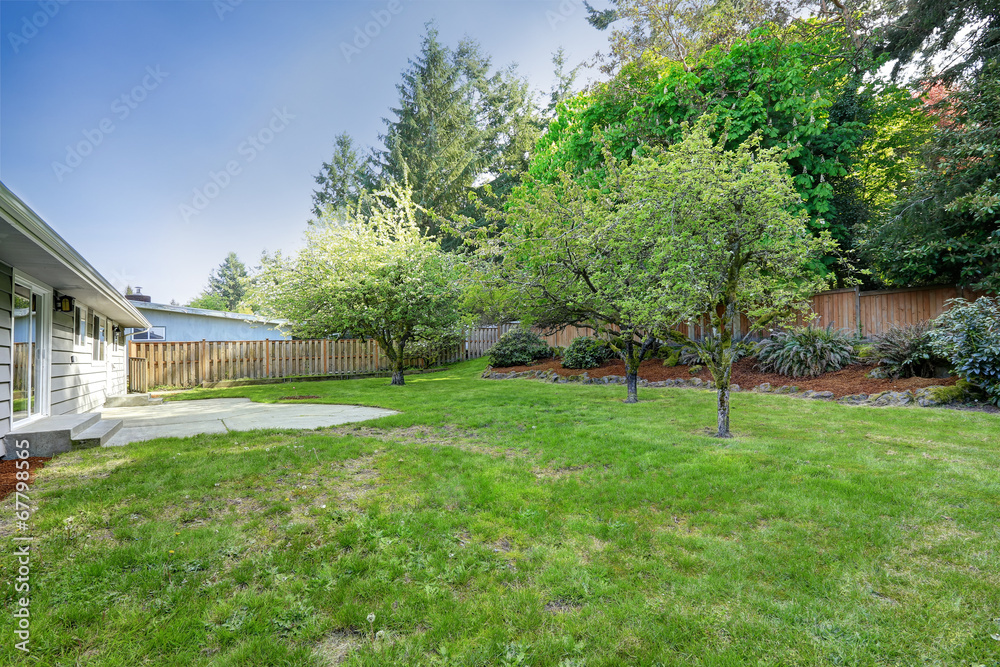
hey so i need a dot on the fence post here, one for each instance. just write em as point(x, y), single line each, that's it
point(857, 310)
point(326, 359)
point(267, 357)
point(201, 362)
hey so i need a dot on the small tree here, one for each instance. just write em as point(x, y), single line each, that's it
point(564, 257)
point(373, 275)
point(729, 241)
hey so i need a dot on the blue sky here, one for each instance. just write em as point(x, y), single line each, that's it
point(155, 137)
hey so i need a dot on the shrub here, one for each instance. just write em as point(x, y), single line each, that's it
point(865, 354)
point(968, 336)
point(805, 351)
point(904, 352)
point(517, 348)
point(585, 352)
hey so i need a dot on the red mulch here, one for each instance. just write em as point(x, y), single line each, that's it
point(850, 380)
point(9, 470)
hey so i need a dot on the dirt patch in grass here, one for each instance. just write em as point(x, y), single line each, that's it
point(336, 647)
point(296, 398)
point(850, 380)
point(9, 470)
point(447, 436)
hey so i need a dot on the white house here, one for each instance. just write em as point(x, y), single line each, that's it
point(62, 335)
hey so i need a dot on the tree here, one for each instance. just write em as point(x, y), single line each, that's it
point(226, 286)
point(374, 275)
point(342, 179)
point(929, 28)
point(846, 141)
point(564, 258)
point(728, 239)
point(945, 227)
point(678, 30)
point(209, 301)
point(457, 126)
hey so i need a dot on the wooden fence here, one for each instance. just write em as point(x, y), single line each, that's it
point(187, 364)
point(138, 378)
point(192, 363)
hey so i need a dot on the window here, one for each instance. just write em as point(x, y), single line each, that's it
point(100, 338)
point(154, 334)
point(81, 326)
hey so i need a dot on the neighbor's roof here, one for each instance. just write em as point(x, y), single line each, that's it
point(187, 310)
point(30, 245)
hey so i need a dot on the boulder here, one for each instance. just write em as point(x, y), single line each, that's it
point(763, 387)
point(823, 395)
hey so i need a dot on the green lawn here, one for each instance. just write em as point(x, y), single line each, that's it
point(524, 523)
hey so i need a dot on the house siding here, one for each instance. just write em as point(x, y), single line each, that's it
point(78, 383)
point(187, 327)
point(6, 316)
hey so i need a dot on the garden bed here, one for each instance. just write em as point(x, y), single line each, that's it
point(8, 473)
point(845, 382)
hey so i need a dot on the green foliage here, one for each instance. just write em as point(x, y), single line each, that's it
point(585, 352)
point(209, 301)
point(342, 179)
point(805, 351)
point(946, 226)
point(518, 347)
point(227, 286)
point(455, 121)
point(372, 275)
point(438, 344)
point(968, 31)
point(904, 352)
point(968, 335)
point(678, 31)
point(864, 353)
point(796, 87)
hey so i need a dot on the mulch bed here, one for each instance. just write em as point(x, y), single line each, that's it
point(296, 398)
point(8, 473)
point(850, 380)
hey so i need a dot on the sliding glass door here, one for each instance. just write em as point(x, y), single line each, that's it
point(32, 325)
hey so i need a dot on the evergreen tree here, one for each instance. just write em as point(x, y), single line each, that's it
point(226, 286)
point(342, 178)
point(457, 126)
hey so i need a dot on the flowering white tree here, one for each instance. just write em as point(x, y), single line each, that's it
point(370, 274)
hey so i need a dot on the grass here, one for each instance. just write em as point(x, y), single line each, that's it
point(525, 523)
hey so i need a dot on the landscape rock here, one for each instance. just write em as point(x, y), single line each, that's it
point(764, 387)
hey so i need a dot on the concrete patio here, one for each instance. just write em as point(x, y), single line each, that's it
point(180, 419)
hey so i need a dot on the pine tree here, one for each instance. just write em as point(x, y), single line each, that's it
point(342, 179)
point(457, 126)
point(226, 286)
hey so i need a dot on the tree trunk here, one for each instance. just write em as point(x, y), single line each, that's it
point(724, 413)
point(397, 368)
point(632, 383)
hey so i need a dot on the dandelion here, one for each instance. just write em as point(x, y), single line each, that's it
point(371, 618)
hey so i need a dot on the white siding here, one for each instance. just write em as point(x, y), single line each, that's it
point(6, 287)
point(78, 383)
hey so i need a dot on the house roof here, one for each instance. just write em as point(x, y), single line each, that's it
point(30, 245)
point(187, 310)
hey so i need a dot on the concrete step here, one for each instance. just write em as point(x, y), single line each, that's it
point(97, 435)
point(49, 436)
point(131, 401)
